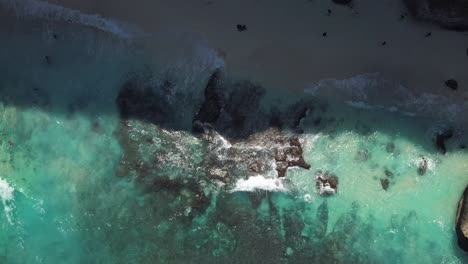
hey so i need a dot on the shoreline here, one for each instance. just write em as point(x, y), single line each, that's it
point(292, 53)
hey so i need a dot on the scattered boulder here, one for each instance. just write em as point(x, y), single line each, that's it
point(342, 2)
point(440, 139)
point(326, 183)
point(452, 84)
point(422, 168)
point(449, 14)
point(461, 224)
point(241, 27)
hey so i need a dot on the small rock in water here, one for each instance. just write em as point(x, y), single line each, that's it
point(428, 34)
point(48, 60)
point(462, 146)
point(452, 84)
point(388, 173)
point(324, 34)
point(390, 147)
point(441, 138)
point(342, 2)
point(326, 183)
point(384, 43)
point(422, 168)
point(385, 183)
point(329, 12)
point(241, 27)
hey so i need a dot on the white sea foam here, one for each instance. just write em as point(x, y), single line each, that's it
point(53, 12)
point(374, 91)
point(7, 197)
point(255, 183)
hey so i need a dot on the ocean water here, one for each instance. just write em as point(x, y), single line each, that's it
point(82, 183)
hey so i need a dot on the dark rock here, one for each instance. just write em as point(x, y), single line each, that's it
point(462, 146)
point(281, 168)
point(326, 183)
point(289, 153)
point(342, 2)
point(428, 34)
point(324, 34)
point(384, 43)
point(461, 223)
point(214, 101)
point(241, 27)
point(329, 12)
point(48, 60)
point(441, 138)
point(385, 183)
point(452, 84)
point(388, 173)
point(390, 147)
point(422, 168)
point(449, 14)
point(139, 100)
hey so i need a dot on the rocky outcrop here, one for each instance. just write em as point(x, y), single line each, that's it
point(450, 14)
point(461, 224)
point(212, 105)
point(326, 183)
point(289, 153)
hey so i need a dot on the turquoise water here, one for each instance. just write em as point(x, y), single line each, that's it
point(81, 185)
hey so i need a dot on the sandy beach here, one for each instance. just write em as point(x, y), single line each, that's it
point(284, 47)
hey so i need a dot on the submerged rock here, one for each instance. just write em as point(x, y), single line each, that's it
point(326, 183)
point(388, 173)
point(385, 183)
point(450, 14)
point(362, 155)
point(321, 217)
point(461, 224)
point(422, 168)
point(440, 139)
point(390, 147)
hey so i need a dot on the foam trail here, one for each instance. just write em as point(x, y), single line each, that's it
point(6, 195)
point(45, 10)
point(255, 183)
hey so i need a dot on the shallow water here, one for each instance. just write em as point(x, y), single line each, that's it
point(71, 192)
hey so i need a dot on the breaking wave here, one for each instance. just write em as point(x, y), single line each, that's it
point(41, 9)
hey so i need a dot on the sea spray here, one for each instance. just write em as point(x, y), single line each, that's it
point(7, 197)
